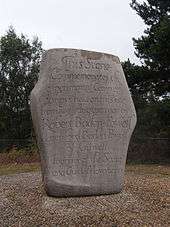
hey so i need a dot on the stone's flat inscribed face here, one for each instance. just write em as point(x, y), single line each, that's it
point(83, 116)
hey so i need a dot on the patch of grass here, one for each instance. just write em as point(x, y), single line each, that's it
point(19, 168)
point(156, 169)
point(19, 156)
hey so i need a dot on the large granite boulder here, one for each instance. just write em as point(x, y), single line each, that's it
point(83, 116)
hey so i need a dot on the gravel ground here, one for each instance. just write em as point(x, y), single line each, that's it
point(145, 201)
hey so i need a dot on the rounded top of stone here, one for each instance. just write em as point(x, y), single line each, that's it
point(87, 53)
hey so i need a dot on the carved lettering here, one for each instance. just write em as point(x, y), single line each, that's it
point(84, 118)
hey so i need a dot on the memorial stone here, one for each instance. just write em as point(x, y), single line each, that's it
point(83, 116)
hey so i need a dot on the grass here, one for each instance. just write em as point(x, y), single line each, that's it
point(19, 168)
point(28, 160)
point(156, 169)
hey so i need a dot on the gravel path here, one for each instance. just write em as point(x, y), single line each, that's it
point(144, 202)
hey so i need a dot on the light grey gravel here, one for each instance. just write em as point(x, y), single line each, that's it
point(143, 202)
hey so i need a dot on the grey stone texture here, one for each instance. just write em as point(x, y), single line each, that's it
point(83, 116)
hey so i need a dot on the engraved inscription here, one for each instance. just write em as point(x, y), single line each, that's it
point(73, 63)
point(89, 170)
point(84, 104)
point(86, 116)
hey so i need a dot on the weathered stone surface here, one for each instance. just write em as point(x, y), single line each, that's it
point(83, 116)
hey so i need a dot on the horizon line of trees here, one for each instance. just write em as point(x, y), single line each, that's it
point(149, 83)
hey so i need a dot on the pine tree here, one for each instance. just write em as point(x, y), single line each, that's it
point(153, 48)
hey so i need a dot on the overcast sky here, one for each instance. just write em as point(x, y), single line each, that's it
point(100, 25)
